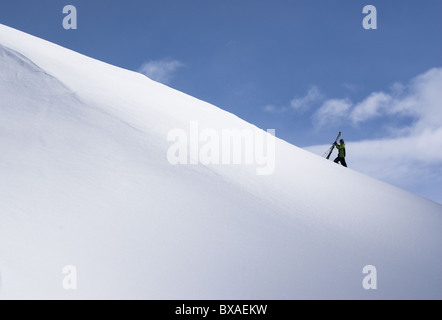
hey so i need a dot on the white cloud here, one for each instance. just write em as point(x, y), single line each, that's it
point(270, 108)
point(354, 88)
point(298, 104)
point(371, 107)
point(424, 100)
point(161, 70)
point(301, 104)
point(421, 98)
point(332, 112)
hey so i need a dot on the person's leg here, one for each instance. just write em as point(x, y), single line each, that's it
point(337, 160)
point(343, 162)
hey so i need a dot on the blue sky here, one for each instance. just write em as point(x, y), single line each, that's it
point(305, 68)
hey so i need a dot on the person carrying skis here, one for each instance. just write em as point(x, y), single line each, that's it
point(341, 154)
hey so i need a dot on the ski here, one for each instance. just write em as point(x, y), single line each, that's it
point(329, 152)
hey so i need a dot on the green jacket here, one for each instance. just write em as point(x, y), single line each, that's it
point(341, 149)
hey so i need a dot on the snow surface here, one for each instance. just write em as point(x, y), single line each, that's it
point(85, 181)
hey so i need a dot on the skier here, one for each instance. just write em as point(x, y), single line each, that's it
point(341, 154)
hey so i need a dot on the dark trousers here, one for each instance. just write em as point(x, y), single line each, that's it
point(341, 160)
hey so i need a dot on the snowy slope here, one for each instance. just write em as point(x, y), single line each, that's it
point(85, 181)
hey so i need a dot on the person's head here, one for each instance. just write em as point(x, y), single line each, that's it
point(341, 141)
